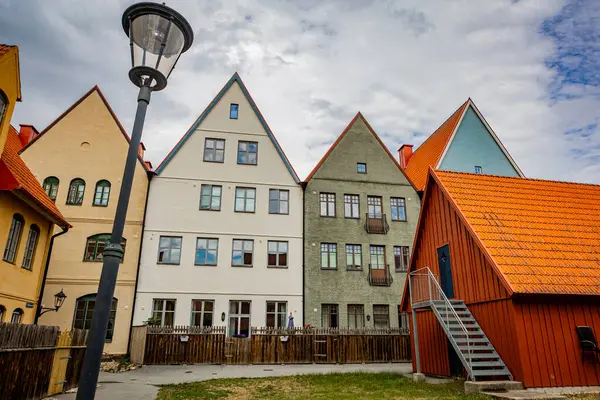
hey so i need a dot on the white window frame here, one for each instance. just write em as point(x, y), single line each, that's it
point(353, 255)
point(400, 204)
point(163, 311)
point(329, 249)
point(239, 316)
point(276, 314)
point(241, 193)
point(327, 204)
point(278, 251)
point(202, 312)
point(352, 206)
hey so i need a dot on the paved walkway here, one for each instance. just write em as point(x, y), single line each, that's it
point(143, 383)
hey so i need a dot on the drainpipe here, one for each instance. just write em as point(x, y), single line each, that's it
point(303, 185)
point(137, 273)
point(39, 304)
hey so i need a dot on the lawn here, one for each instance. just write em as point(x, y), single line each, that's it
point(330, 386)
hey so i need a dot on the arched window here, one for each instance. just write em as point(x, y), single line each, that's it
point(3, 105)
point(14, 237)
point(94, 247)
point(84, 311)
point(17, 316)
point(2, 312)
point(76, 192)
point(32, 239)
point(51, 187)
point(102, 193)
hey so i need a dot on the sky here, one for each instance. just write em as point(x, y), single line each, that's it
point(532, 67)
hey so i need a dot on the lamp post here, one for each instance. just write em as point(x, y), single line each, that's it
point(158, 35)
point(59, 299)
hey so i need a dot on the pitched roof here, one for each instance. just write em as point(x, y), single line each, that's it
point(16, 176)
point(213, 103)
point(5, 49)
point(430, 151)
point(68, 110)
point(339, 139)
point(543, 236)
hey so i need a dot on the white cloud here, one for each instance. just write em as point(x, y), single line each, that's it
point(310, 66)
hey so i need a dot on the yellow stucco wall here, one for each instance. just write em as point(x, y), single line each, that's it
point(9, 84)
point(87, 143)
point(19, 286)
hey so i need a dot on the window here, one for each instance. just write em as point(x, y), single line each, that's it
point(32, 239)
point(403, 319)
point(398, 209)
point(51, 187)
point(401, 258)
point(247, 152)
point(84, 312)
point(233, 111)
point(478, 169)
point(14, 237)
point(381, 316)
point(276, 314)
point(361, 168)
point(329, 315)
point(277, 253)
point(3, 105)
point(353, 256)
point(327, 204)
point(243, 253)
point(202, 312)
point(102, 193)
point(94, 248)
point(214, 150)
point(374, 206)
point(17, 316)
point(210, 197)
point(356, 316)
point(351, 206)
point(76, 192)
point(206, 251)
point(377, 257)
point(239, 318)
point(169, 250)
point(329, 255)
point(245, 199)
point(163, 310)
point(2, 312)
point(279, 201)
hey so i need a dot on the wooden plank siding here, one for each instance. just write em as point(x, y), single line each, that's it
point(548, 342)
point(433, 344)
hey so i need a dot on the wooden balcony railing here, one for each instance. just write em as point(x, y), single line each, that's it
point(380, 277)
point(376, 224)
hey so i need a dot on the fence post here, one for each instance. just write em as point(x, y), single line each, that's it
point(59, 363)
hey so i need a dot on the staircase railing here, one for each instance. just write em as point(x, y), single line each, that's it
point(424, 287)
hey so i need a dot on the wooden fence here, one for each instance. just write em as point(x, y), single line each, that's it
point(38, 361)
point(193, 345)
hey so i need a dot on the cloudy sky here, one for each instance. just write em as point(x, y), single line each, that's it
point(531, 66)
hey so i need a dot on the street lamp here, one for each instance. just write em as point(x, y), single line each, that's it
point(59, 299)
point(158, 36)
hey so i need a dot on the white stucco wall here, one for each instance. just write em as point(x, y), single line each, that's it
point(173, 210)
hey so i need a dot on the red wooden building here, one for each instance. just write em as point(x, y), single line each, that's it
point(519, 261)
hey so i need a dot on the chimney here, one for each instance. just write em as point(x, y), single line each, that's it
point(27, 133)
point(141, 150)
point(404, 154)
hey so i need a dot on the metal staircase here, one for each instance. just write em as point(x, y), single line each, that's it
point(476, 353)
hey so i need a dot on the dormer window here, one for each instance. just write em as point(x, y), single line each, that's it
point(233, 111)
point(478, 169)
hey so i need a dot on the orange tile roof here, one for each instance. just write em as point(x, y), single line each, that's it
point(15, 175)
point(543, 236)
point(430, 152)
point(5, 48)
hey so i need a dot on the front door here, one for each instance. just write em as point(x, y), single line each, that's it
point(445, 271)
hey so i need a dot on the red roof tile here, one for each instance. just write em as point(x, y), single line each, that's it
point(430, 152)
point(543, 236)
point(5, 48)
point(15, 175)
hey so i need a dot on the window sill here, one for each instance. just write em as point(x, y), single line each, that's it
point(208, 209)
point(277, 266)
point(8, 261)
point(99, 205)
point(355, 218)
point(73, 204)
point(278, 213)
point(205, 265)
point(242, 266)
point(328, 216)
point(162, 263)
point(217, 162)
point(252, 165)
point(401, 271)
point(399, 220)
point(354, 269)
point(26, 269)
point(328, 269)
point(245, 212)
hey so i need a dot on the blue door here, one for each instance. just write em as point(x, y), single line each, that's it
point(445, 271)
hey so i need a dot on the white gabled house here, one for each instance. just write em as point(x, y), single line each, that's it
point(222, 239)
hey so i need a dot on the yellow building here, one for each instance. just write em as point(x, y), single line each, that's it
point(27, 215)
point(79, 159)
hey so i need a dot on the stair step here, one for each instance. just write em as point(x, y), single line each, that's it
point(471, 340)
point(479, 356)
point(491, 372)
point(476, 346)
point(459, 328)
point(487, 364)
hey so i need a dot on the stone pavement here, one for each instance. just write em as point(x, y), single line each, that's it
point(143, 383)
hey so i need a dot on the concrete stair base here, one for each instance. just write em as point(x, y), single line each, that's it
point(492, 386)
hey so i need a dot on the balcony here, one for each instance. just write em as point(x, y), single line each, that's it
point(374, 224)
point(380, 277)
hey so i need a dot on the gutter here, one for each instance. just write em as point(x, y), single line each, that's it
point(39, 304)
point(137, 273)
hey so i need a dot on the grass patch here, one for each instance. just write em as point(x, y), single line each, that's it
point(323, 386)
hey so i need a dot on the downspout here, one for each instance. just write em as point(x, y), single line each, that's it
point(137, 273)
point(303, 185)
point(39, 304)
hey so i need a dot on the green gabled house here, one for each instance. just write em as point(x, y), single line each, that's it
point(360, 213)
